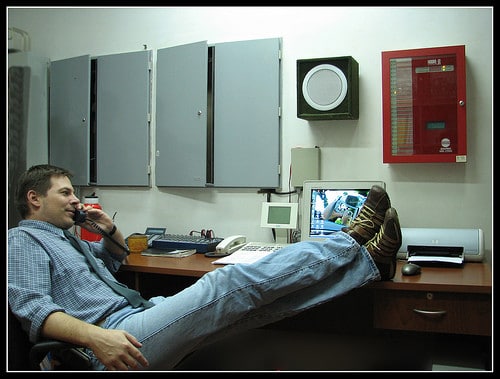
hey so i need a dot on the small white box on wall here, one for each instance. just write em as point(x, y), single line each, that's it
point(305, 165)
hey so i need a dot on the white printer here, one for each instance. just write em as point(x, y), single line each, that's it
point(443, 239)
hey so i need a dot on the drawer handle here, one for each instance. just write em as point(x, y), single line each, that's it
point(431, 314)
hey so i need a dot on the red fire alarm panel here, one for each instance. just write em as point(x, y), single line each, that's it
point(424, 113)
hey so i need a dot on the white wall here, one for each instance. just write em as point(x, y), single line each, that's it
point(425, 195)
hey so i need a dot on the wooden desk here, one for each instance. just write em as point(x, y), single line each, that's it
point(195, 265)
point(379, 316)
point(443, 300)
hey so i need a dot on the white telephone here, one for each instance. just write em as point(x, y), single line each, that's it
point(230, 245)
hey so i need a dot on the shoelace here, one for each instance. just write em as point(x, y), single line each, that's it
point(365, 218)
point(380, 242)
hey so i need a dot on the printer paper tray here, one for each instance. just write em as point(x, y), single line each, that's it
point(436, 255)
point(436, 261)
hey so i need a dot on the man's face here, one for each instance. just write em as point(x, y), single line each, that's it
point(58, 206)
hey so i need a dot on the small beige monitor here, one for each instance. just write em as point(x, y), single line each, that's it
point(281, 217)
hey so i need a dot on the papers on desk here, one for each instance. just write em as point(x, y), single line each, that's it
point(170, 253)
point(453, 256)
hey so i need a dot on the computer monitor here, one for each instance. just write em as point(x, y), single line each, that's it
point(330, 205)
point(279, 216)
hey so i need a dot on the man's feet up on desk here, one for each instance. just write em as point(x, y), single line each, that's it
point(369, 220)
point(384, 247)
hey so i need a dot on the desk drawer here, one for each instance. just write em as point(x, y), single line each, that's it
point(442, 312)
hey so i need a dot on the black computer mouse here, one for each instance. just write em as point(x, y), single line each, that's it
point(410, 269)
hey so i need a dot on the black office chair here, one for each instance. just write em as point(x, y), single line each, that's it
point(25, 356)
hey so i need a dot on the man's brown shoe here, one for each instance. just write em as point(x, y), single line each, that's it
point(367, 223)
point(384, 247)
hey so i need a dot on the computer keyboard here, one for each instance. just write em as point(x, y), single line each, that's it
point(251, 252)
point(262, 246)
point(182, 242)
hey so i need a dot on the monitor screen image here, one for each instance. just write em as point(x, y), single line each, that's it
point(328, 206)
point(279, 215)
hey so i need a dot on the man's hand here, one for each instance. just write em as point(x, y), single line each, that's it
point(99, 217)
point(117, 350)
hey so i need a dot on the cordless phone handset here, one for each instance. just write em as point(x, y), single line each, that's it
point(79, 217)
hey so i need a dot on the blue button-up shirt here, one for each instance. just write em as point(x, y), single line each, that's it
point(47, 274)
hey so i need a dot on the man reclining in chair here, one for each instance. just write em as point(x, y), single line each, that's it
point(55, 292)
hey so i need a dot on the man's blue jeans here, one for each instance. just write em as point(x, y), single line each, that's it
point(239, 297)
